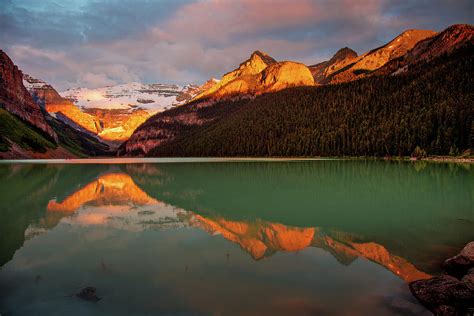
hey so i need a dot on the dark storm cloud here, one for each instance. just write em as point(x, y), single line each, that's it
point(92, 43)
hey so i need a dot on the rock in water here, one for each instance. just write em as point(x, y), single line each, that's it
point(443, 294)
point(468, 279)
point(89, 294)
point(460, 264)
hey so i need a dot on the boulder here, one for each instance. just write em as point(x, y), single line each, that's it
point(460, 264)
point(468, 279)
point(443, 294)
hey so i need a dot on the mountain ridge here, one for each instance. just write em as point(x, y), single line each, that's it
point(132, 117)
point(186, 131)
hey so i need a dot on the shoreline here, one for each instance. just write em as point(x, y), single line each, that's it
point(129, 160)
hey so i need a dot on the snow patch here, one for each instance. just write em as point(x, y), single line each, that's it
point(150, 97)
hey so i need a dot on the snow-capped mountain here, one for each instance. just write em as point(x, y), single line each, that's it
point(155, 97)
point(110, 113)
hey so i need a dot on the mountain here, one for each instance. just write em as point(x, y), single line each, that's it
point(120, 109)
point(63, 109)
point(155, 97)
point(453, 38)
point(15, 99)
point(111, 113)
point(28, 131)
point(358, 67)
point(430, 107)
point(341, 58)
point(257, 75)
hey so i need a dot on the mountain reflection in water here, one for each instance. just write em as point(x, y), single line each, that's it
point(399, 216)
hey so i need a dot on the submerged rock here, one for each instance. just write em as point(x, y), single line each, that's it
point(442, 290)
point(460, 264)
point(89, 294)
point(468, 279)
point(449, 294)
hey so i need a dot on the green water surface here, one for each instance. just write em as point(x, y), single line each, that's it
point(327, 237)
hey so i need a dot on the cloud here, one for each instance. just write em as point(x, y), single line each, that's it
point(92, 43)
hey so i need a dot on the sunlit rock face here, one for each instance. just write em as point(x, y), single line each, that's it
point(341, 58)
point(118, 124)
point(452, 38)
point(15, 98)
point(258, 74)
point(47, 97)
point(353, 67)
point(121, 109)
point(111, 113)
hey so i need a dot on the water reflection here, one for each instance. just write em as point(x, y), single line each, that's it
point(403, 218)
point(115, 200)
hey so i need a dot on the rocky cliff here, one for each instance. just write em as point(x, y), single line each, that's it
point(362, 65)
point(453, 38)
point(14, 97)
point(341, 58)
point(47, 97)
point(257, 75)
point(118, 124)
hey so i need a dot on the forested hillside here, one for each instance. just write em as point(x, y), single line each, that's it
point(430, 107)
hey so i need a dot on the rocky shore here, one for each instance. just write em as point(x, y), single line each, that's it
point(453, 292)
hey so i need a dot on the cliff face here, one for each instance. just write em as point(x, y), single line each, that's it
point(118, 124)
point(14, 97)
point(357, 67)
point(45, 95)
point(275, 77)
point(341, 58)
point(452, 38)
point(257, 75)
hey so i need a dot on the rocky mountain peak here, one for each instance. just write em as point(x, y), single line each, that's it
point(258, 74)
point(257, 62)
point(263, 56)
point(339, 60)
point(342, 54)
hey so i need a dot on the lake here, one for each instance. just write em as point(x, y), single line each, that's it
point(201, 237)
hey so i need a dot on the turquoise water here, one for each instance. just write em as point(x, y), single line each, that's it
point(186, 237)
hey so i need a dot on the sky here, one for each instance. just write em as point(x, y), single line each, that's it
point(92, 43)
